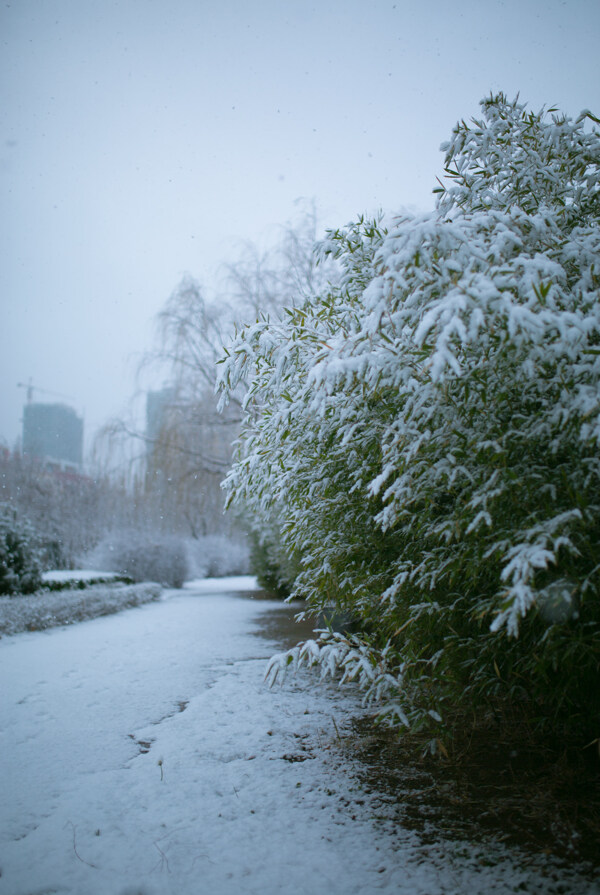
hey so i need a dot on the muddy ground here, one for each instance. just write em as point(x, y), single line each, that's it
point(492, 785)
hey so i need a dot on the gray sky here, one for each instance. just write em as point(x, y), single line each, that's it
point(142, 139)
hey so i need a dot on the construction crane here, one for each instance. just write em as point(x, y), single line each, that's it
point(34, 388)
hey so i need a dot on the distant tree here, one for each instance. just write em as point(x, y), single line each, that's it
point(189, 456)
point(63, 505)
point(186, 463)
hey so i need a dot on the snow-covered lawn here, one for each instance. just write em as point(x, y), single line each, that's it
point(143, 755)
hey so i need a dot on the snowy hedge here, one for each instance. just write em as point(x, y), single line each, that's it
point(425, 436)
point(38, 611)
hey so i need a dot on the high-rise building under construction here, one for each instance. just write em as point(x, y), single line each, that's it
point(53, 432)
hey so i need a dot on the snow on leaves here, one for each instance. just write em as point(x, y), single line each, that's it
point(427, 431)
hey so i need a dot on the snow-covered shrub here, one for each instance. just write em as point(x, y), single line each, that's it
point(216, 556)
point(428, 432)
point(39, 611)
point(20, 555)
point(143, 557)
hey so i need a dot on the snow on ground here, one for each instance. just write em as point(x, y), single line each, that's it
point(142, 754)
point(101, 596)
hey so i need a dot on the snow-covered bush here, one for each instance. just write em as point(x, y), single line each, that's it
point(216, 556)
point(428, 431)
point(20, 554)
point(143, 557)
point(38, 611)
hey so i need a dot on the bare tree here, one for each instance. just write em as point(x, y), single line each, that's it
point(188, 453)
point(68, 510)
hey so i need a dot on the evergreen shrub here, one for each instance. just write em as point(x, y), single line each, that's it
point(425, 435)
point(20, 554)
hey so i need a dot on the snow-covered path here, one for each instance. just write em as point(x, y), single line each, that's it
point(142, 754)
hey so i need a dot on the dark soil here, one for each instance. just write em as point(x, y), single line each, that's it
point(494, 784)
point(490, 781)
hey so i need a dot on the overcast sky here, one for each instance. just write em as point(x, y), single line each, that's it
point(143, 139)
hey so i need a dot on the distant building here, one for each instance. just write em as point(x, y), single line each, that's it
point(53, 433)
point(158, 404)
